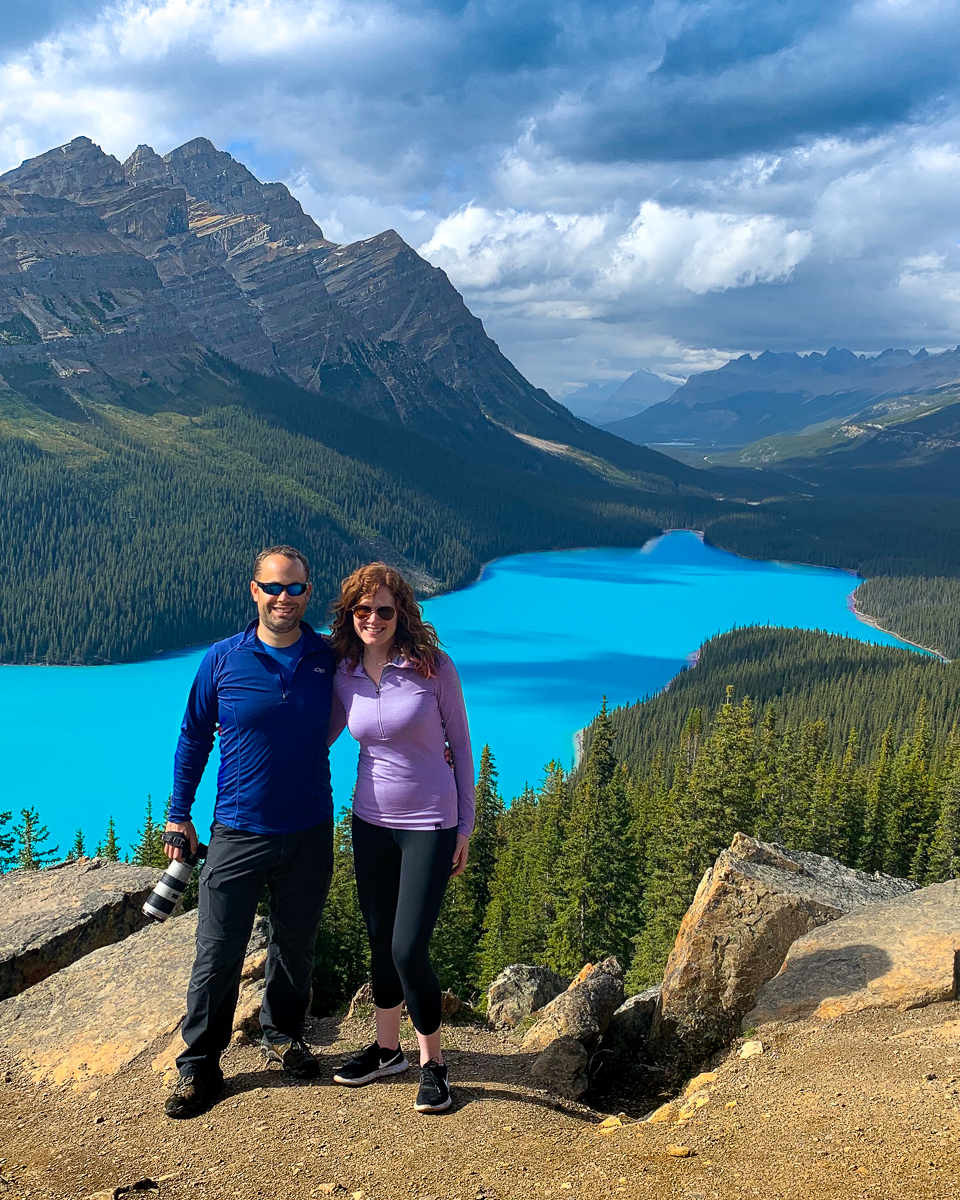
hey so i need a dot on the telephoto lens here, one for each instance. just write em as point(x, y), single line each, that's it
point(163, 899)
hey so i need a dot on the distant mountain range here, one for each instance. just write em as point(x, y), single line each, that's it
point(123, 274)
point(906, 444)
point(751, 398)
point(605, 403)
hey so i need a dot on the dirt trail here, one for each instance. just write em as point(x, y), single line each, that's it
point(865, 1106)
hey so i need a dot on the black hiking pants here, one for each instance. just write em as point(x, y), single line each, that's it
point(297, 867)
point(401, 877)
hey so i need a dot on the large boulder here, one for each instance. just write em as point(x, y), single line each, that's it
point(577, 1017)
point(562, 1068)
point(750, 907)
point(901, 954)
point(583, 1011)
point(103, 1011)
point(520, 990)
point(52, 917)
point(629, 1028)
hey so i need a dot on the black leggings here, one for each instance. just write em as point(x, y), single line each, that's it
point(401, 877)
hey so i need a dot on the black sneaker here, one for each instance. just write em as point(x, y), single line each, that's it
point(294, 1056)
point(434, 1094)
point(194, 1094)
point(372, 1063)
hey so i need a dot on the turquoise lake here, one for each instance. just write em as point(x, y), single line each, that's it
point(539, 639)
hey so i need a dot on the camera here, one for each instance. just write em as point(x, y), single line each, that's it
point(163, 899)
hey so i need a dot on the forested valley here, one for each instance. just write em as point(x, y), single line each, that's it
point(815, 741)
point(136, 523)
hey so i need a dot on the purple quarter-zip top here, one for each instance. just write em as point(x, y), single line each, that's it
point(402, 725)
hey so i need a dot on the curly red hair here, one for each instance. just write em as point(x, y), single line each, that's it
point(416, 639)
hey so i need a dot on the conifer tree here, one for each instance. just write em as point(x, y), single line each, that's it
point(911, 817)
point(873, 853)
point(456, 947)
point(7, 842)
point(148, 849)
point(944, 857)
point(109, 848)
point(596, 875)
point(78, 849)
point(31, 854)
point(342, 959)
point(506, 938)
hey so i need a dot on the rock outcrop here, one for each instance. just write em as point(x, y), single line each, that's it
point(520, 990)
point(103, 1011)
point(51, 918)
point(750, 907)
point(901, 954)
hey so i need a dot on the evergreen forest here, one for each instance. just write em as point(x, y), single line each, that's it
point(814, 741)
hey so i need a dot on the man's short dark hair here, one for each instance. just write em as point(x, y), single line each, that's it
point(284, 552)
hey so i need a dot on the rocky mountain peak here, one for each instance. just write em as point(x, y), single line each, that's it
point(146, 166)
point(67, 171)
point(216, 177)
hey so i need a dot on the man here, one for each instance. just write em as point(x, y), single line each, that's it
point(268, 691)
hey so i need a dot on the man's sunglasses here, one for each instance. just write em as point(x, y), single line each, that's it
point(384, 612)
point(277, 589)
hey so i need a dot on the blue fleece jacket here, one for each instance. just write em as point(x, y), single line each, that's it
point(274, 767)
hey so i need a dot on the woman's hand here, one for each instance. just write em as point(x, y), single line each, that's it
point(460, 855)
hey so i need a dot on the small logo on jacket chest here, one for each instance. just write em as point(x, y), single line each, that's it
point(320, 670)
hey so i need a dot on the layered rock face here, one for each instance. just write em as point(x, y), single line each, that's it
point(252, 277)
point(237, 259)
point(750, 907)
point(51, 918)
point(399, 297)
point(69, 287)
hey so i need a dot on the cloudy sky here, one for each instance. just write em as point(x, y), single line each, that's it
point(662, 183)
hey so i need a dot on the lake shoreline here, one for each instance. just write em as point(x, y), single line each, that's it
point(872, 621)
point(622, 622)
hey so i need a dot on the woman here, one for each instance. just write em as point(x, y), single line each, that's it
point(400, 697)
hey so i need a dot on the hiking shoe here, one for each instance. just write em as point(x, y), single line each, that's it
point(372, 1063)
point(434, 1094)
point(193, 1094)
point(296, 1058)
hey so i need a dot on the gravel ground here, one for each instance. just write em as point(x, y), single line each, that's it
point(865, 1106)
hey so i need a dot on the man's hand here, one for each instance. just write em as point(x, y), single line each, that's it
point(460, 855)
point(187, 829)
point(448, 755)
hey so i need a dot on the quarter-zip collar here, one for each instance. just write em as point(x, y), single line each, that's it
point(313, 642)
point(357, 668)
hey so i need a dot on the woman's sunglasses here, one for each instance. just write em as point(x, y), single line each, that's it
point(363, 611)
point(277, 589)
